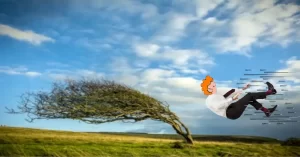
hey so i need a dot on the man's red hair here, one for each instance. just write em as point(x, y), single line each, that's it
point(205, 83)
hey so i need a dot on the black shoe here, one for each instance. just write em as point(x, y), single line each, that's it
point(271, 87)
point(271, 110)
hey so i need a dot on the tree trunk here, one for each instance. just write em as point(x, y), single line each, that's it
point(186, 135)
point(189, 139)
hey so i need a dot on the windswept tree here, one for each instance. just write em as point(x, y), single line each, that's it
point(96, 102)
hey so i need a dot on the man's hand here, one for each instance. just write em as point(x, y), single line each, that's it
point(235, 97)
point(247, 86)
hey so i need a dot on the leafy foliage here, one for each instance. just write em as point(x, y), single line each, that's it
point(96, 102)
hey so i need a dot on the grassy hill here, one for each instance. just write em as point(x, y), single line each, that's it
point(35, 142)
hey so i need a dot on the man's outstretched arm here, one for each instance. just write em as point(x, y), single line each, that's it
point(235, 96)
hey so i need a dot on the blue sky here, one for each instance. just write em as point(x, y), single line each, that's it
point(163, 48)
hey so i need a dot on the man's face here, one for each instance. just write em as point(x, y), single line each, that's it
point(212, 88)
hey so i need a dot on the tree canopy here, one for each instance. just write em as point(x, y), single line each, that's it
point(97, 101)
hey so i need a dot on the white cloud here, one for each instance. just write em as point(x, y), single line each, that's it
point(178, 57)
point(18, 71)
point(184, 82)
point(60, 74)
point(174, 27)
point(293, 69)
point(142, 63)
point(122, 65)
point(90, 73)
point(57, 64)
point(248, 24)
point(122, 71)
point(24, 35)
point(128, 6)
point(59, 77)
point(146, 49)
point(185, 56)
point(173, 90)
point(237, 45)
point(181, 61)
point(32, 73)
point(261, 24)
point(156, 74)
point(185, 69)
point(204, 6)
point(213, 21)
point(97, 45)
point(162, 83)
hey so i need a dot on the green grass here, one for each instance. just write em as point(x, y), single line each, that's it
point(34, 142)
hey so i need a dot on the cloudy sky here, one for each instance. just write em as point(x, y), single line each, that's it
point(161, 47)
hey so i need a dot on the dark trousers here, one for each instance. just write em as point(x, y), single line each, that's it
point(236, 109)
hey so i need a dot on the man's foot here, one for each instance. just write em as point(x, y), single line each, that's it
point(270, 111)
point(271, 89)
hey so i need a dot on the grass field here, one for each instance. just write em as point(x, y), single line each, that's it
point(34, 142)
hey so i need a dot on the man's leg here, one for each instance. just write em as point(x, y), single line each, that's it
point(259, 106)
point(256, 104)
point(235, 110)
point(258, 95)
point(262, 95)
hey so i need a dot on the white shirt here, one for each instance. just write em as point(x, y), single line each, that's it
point(218, 104)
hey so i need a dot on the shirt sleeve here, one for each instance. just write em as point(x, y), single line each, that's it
point(225, 102)
point(229, 100)
point(240, 91)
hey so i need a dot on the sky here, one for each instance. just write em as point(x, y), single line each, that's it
point(164, 48)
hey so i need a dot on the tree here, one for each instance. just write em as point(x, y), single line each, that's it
point(96, 102)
